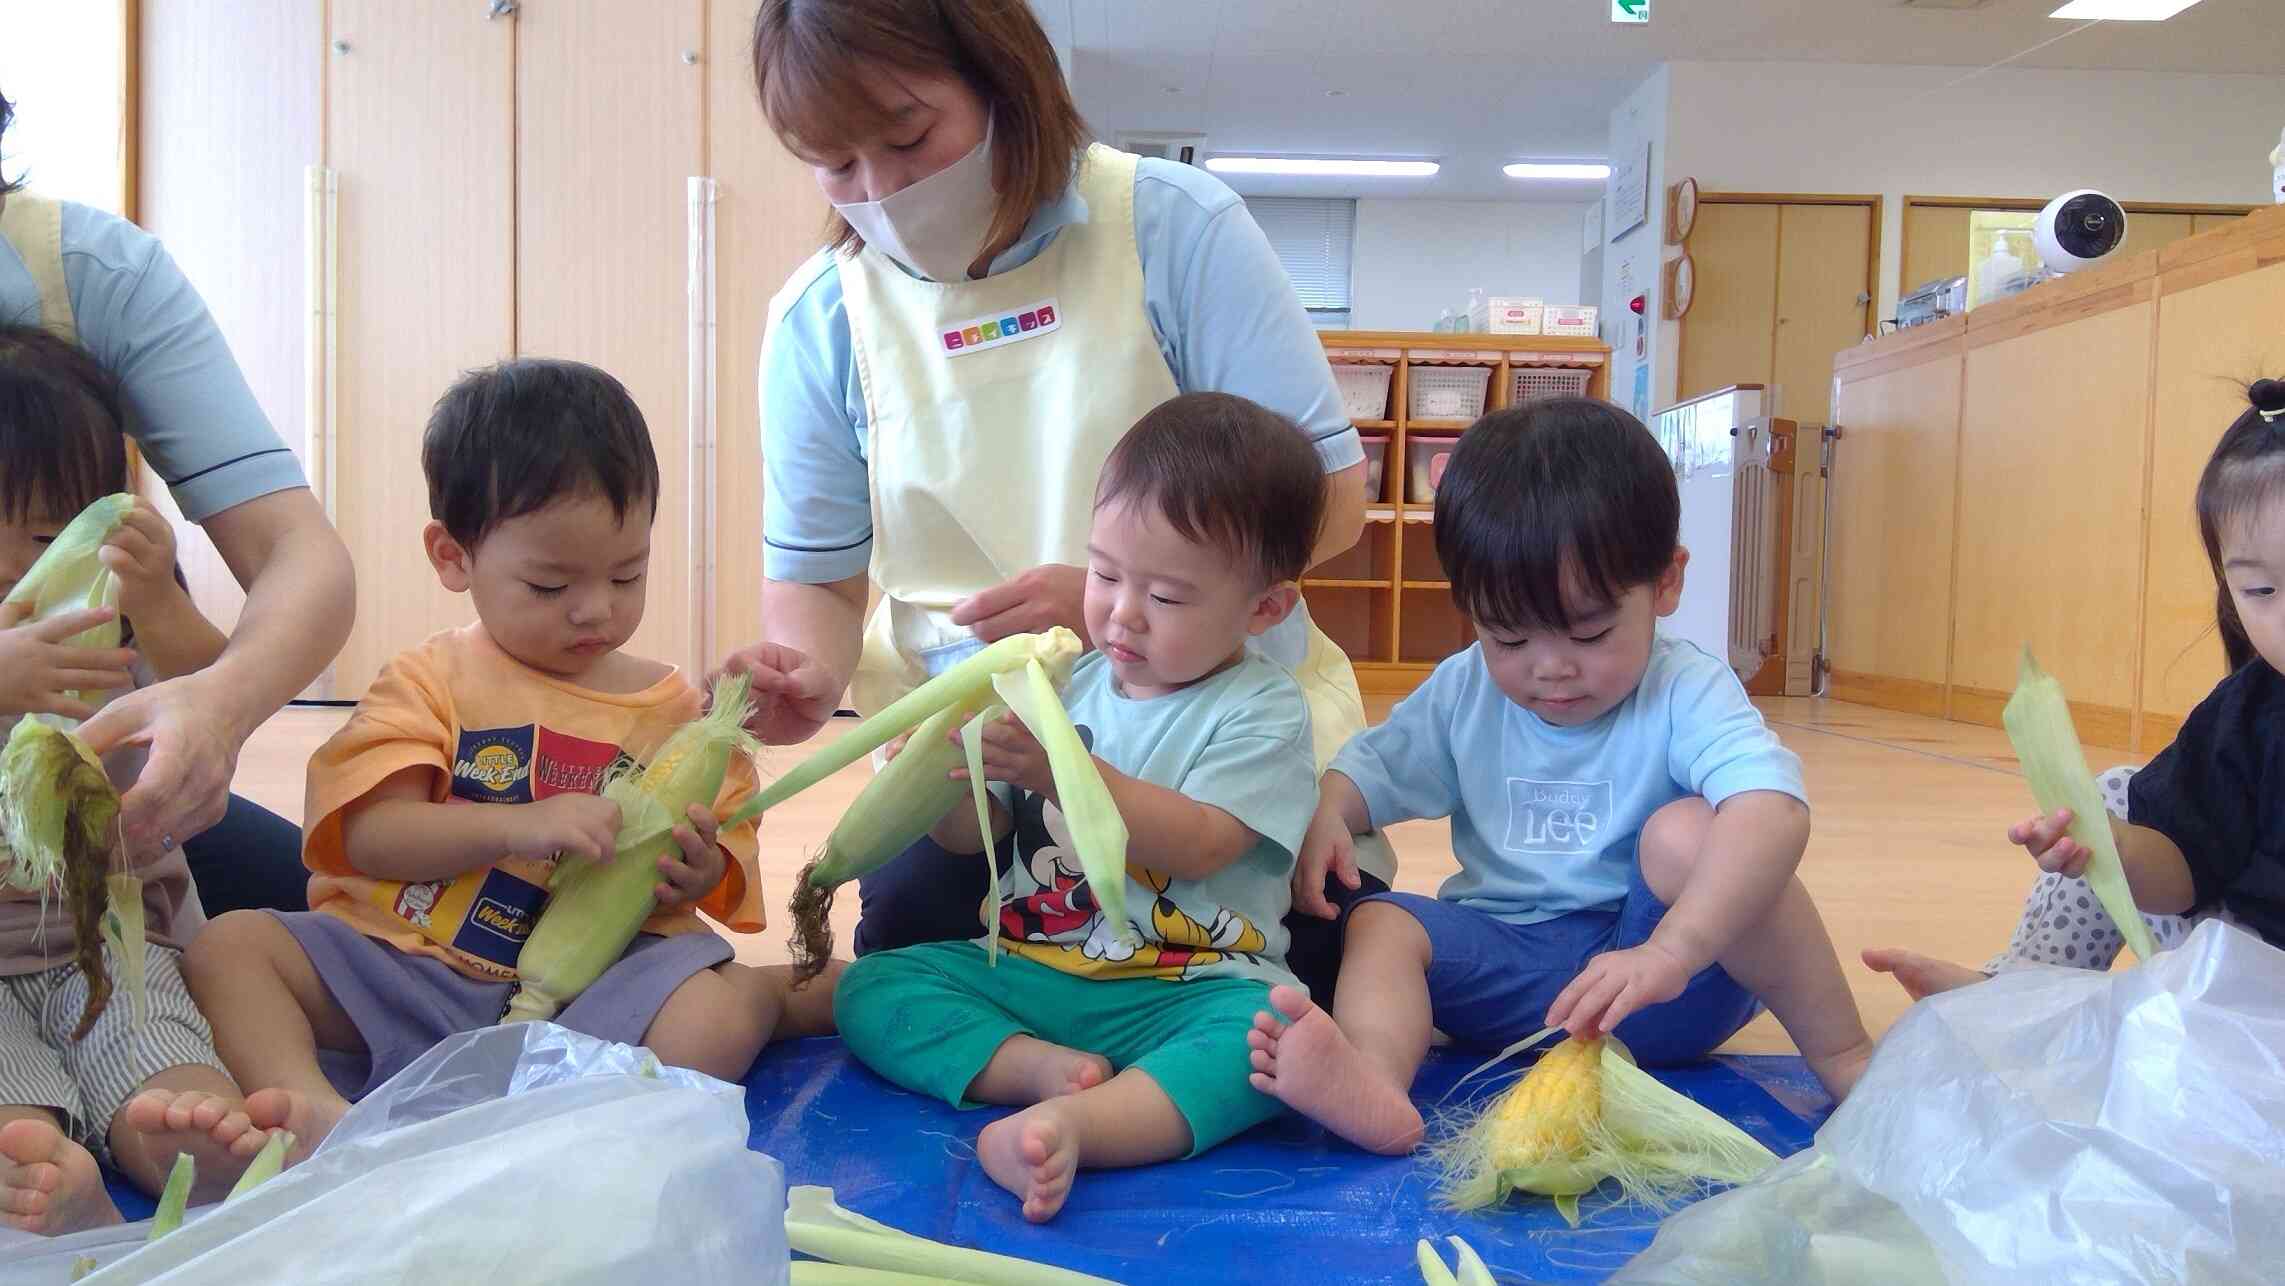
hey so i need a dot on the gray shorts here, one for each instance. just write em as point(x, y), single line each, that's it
point(88, 1081)
point(404, 1004)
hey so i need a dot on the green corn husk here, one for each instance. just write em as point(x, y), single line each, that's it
point(58, 822)
point(2039, 725)
point(1585, 1113)
point(595, 909)
point(812, 1272)
point(1097, 830)
point(265, 1165)
point(68, 577)
point(124, 933)
point(818, 1227)
point(972, 750)
point(174, 1199)
point(968, 683)
point(1470, 1272)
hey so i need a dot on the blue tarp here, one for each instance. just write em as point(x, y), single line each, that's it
point(1286, 1203)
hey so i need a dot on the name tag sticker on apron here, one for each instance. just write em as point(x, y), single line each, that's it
point(1000, 329)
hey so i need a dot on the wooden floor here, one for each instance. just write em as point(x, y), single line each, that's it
point(1908, 846)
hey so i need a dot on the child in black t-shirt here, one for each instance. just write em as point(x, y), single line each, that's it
point(2204, 831)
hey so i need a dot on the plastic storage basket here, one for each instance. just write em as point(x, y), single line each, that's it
point(1535, 383)
point(1364, 389)
point(1424, 461)
point(1376, 457)
point(1448, 392)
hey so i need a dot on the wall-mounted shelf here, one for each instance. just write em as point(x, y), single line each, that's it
point(1386, 601)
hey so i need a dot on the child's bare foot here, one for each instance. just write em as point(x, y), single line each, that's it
point(1033, 1154)
point(1308, 1065)
point(311, 1117)
point(214, 1129)
point(1920, 976)
point(49, 1184)
point(1026, 1070)
point(1838, 1072)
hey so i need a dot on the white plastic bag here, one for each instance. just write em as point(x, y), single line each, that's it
point(519, 1154)
point(2046, 1126)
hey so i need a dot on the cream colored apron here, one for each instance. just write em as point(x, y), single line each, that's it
point(34, 226)
point(993, 405)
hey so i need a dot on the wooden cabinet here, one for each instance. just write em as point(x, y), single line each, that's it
point(1936, 230)
point(2025, 474)
point(1385, 601)
point(568, 179)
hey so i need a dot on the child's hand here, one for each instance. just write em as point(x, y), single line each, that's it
point(570, 827)
point(1614, 985)
point(1327, 847)
point(141, 553)
point(38, 666)
point(691, 875)
point(2050, 844)
point(1014, 756)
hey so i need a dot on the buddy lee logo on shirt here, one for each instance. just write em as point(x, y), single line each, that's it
point(1555, 817)
point(1000, 329)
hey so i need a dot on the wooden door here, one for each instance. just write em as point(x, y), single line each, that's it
point(768, 217)
point(1729, 336)
point(609, 114)
point(1824, 269)
point(419, 130)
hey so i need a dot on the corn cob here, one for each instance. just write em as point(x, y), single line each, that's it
point(594, 909)
point(899, 806)
point(1025, 671)
point(2039, 724)
point(1585, 1113)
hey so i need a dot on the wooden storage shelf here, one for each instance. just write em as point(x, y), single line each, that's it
point(1386, 602)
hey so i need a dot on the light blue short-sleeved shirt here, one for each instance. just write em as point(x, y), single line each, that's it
point(1224, 311)
point(1544, 818)
point(1237, 740)
point(189, 407)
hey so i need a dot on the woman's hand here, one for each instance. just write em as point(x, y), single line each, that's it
point(1048, 595)
point(192, 730)
point(39, 667)
point(793, 695)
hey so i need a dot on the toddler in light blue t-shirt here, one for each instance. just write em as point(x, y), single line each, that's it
point(1627, 827)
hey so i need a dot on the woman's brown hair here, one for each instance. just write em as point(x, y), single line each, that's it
point(809, 56)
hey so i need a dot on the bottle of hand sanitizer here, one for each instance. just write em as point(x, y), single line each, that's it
point(2277, 170)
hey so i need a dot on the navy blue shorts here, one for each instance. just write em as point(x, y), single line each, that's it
point(1491, 982)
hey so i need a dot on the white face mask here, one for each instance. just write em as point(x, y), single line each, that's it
point(934, 227)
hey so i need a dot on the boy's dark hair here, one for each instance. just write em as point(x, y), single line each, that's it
point(2245, 474)
point(513, 438)
point(1224, 472)
point(61, 421)
point(1566, 490)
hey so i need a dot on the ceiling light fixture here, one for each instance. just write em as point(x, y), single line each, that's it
point(2123, 10)
point(1557, 170)
point(1322, 167)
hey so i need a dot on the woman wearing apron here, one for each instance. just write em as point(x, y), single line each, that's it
point(941, 385)
point(106, 285)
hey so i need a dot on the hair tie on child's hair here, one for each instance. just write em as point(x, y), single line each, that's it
point(2268, 398)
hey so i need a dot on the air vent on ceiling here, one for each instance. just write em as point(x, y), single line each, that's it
point(1184, 149)
point(1942, 4)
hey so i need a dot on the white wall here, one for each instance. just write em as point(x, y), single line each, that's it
point(1414, 259)
point(1803, 127)
point(1630, 263)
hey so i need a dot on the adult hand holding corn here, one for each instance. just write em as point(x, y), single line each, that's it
point(793, 694)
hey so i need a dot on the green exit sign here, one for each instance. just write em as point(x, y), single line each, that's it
point(1637, 11)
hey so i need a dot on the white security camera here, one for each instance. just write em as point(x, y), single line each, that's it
point(2078, 228)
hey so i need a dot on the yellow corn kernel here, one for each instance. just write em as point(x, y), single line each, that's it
point(1553, 1108)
